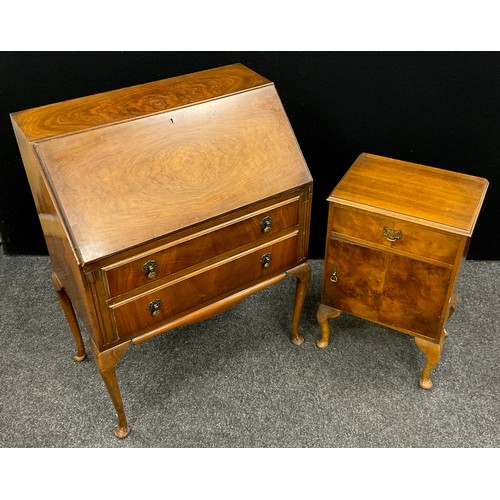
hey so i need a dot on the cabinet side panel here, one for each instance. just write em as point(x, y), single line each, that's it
point(63, 259)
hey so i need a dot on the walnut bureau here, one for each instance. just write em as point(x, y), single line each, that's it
point(397, 235)
point(166, 203)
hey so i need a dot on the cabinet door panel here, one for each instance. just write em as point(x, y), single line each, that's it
point(413, 295)
point(396, 291)
point(359, 275)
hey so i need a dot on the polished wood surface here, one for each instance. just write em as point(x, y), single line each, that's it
point(201, 247)
point(223, 277)
point(120, 105)
point(166, 203)
point(397, 236)
point(438, 198)
point(198, 162)
point(418, 240)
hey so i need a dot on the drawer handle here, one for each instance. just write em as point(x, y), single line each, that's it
point(149, 269)
point(154, 307)
point(265, 260)
point(265, 224)
point(392, 234)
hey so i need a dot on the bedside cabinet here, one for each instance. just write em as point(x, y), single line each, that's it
point(166, 203)
point(397, 235)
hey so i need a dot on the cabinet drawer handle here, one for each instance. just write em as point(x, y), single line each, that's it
point(392, 234)
point(154, 307)
point(265, 260)
point(149, 269)
point(265, 224)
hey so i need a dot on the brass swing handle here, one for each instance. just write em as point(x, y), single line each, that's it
point(149, 269)
point(265, 224)
point(154, 307)
point(392, 234)
point(265, 260)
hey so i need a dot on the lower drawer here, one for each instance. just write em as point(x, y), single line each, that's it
point(150, 310)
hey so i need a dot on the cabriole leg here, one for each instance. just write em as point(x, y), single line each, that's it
point(323, 315)
point(303, 275)
point(433, 353)
point(106, 362)
point(69, 312)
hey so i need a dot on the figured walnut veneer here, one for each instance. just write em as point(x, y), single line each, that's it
point(165, 203)
point(397, 235)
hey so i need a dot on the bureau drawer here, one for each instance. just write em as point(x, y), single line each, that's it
point(201, 247)
point(394, 233)
point(140, 314)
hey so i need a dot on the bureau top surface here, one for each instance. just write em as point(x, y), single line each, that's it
point(441, 198)
point(128, 182)
point(76, 115)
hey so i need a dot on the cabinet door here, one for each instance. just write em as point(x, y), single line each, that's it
point(399, 292)
point(354, 278)
point(414, 295)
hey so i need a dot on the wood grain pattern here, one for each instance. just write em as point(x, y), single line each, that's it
point(181, 171)
point(441, 198)
point(134, 102)
point(62, 255)
point(202, 247)
point(405, 279)
point(413, 296)
point(416, 239)
point(395, 291)
point(221, 279)
point(124, 185)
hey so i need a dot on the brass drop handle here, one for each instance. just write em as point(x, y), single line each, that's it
point(265, 224)
point(265, 260)
point(154, 307)
point(392, 234)
point(334, 277)
point(149, 269)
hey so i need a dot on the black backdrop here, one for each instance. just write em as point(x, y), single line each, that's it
point(435, 108)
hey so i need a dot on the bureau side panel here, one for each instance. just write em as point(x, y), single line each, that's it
point(61, 254)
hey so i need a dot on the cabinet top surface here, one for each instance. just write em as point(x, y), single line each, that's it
point(441, 198)
point(129, 182)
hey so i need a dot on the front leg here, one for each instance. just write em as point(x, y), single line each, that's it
point(106, 362)
point(323, 315)
point(303, 275)
point(433, 352)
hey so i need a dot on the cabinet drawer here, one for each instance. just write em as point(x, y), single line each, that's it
point(200, 247)
point(394, 233)
point(203, 286)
